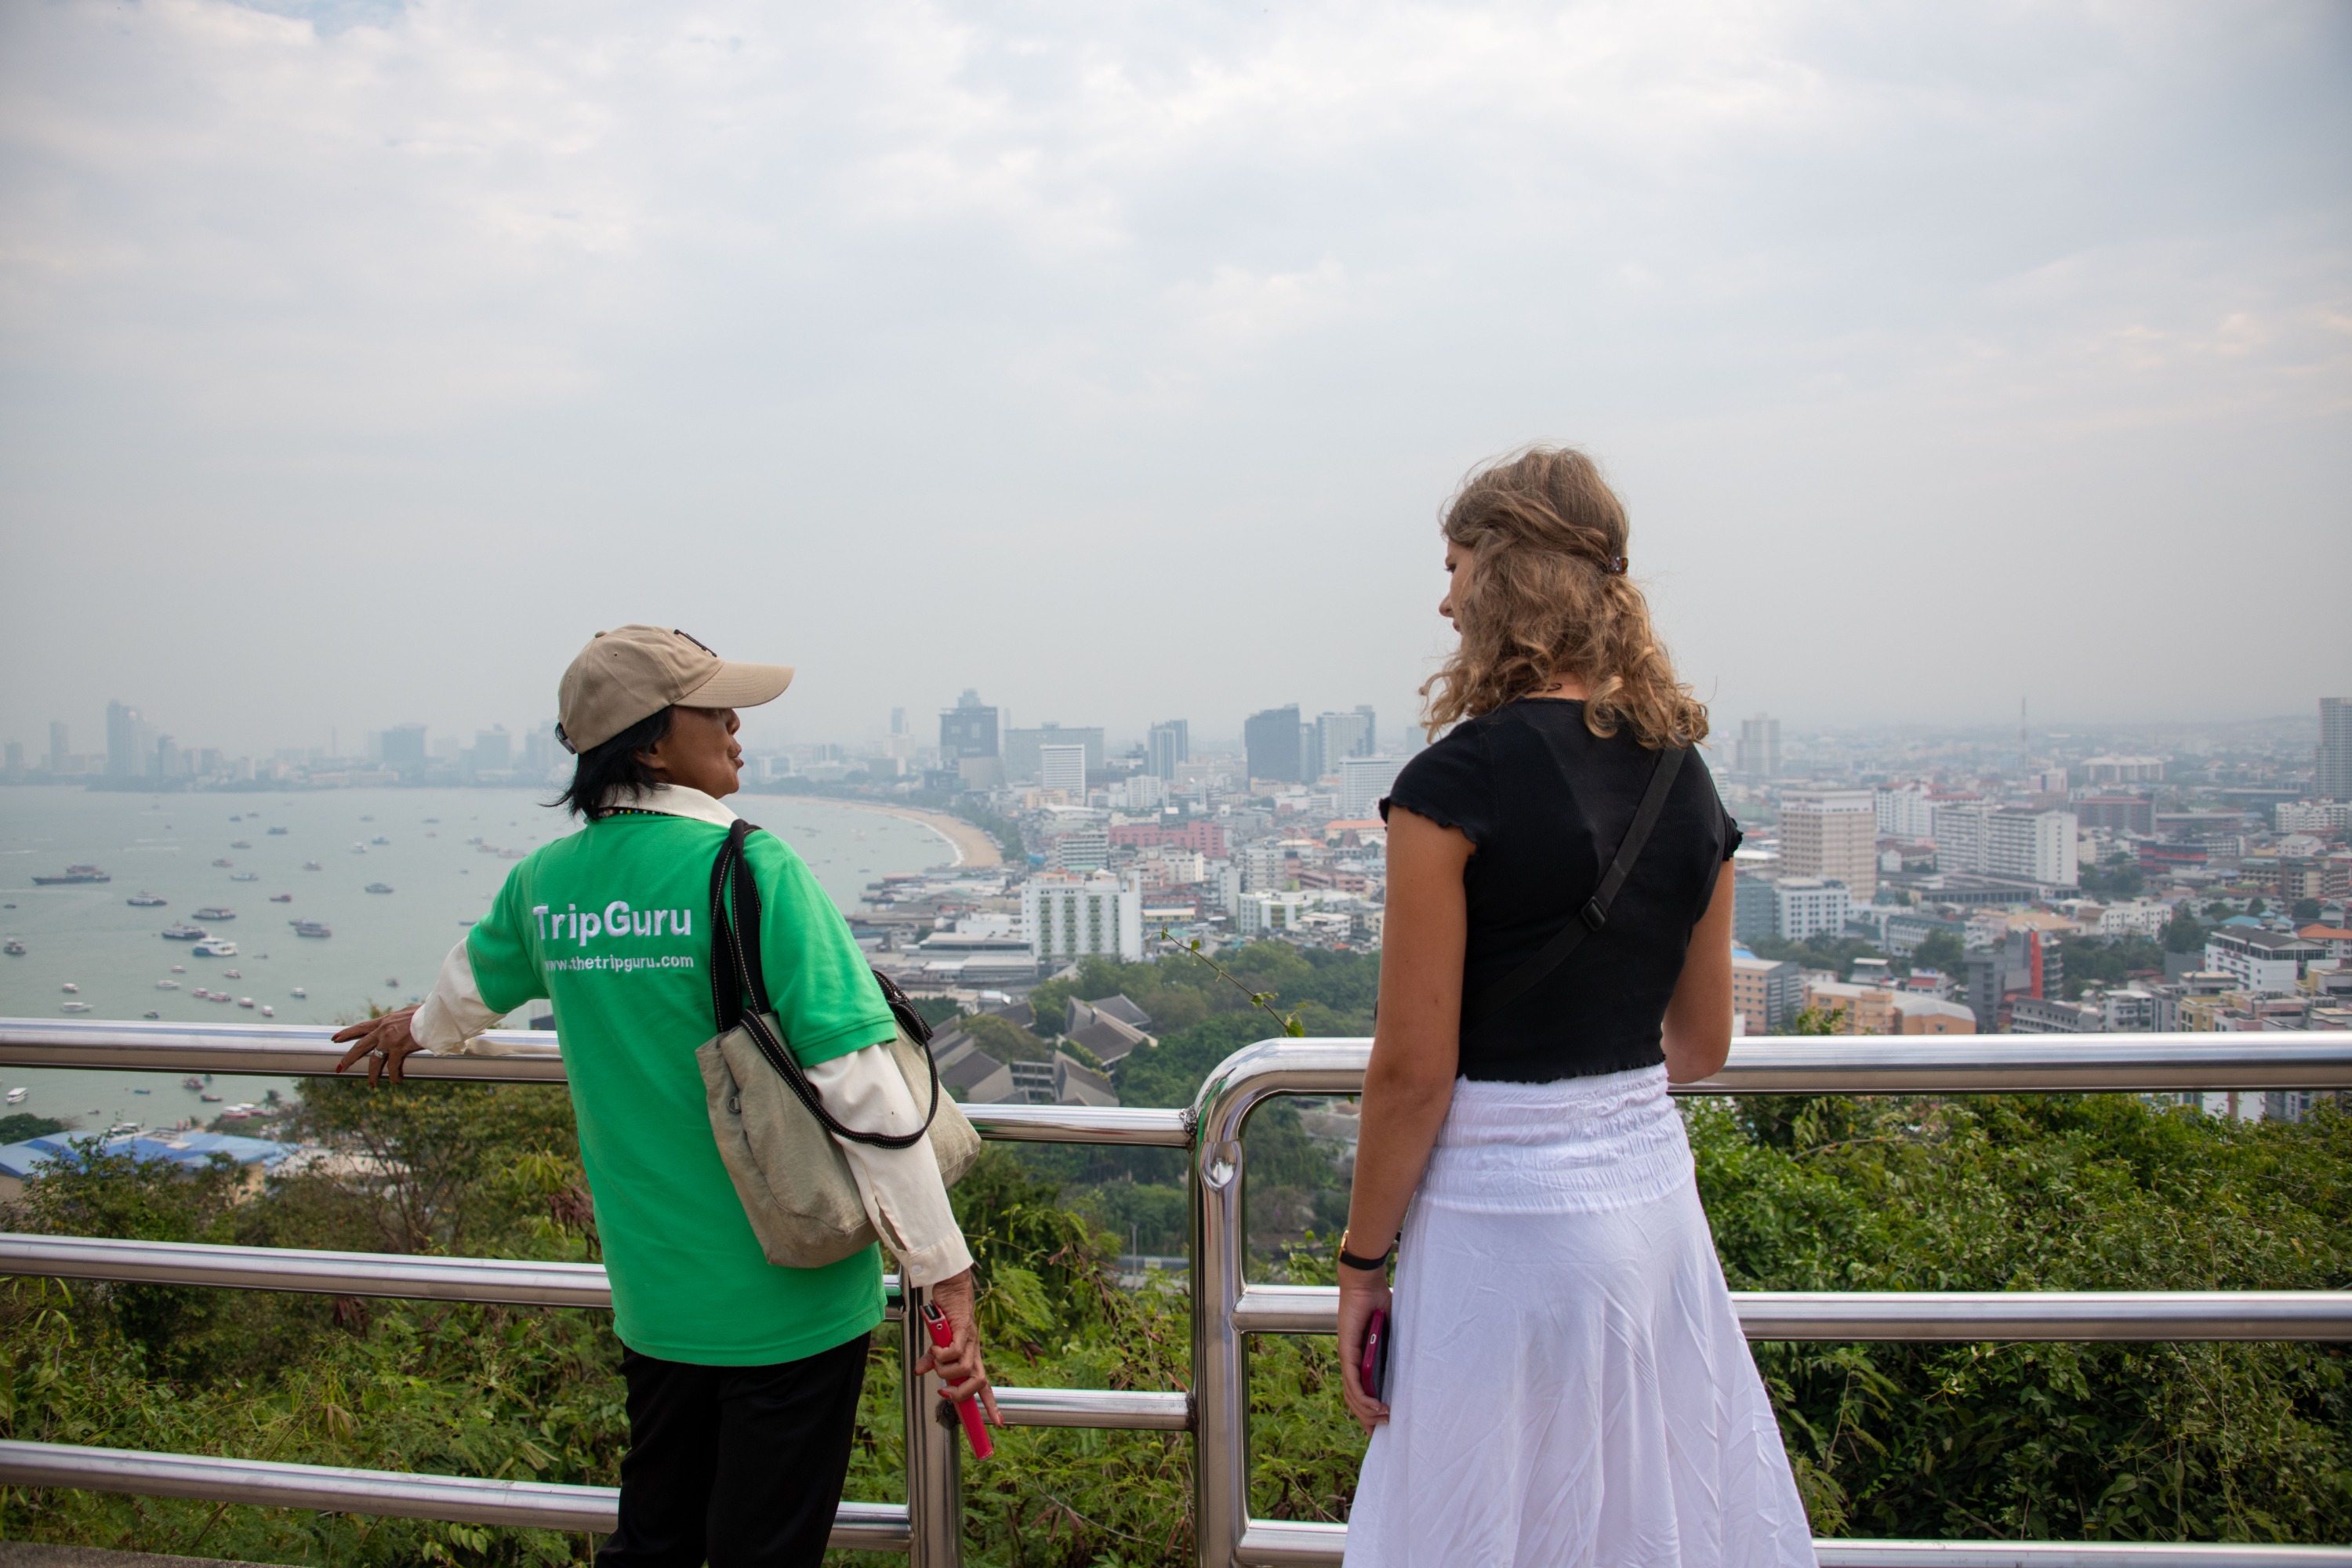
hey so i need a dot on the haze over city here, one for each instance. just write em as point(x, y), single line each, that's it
point(362, 359)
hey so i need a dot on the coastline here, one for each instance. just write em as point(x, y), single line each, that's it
point(973, 848)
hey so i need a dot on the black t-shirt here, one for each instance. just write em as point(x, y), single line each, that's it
point(1546, 803)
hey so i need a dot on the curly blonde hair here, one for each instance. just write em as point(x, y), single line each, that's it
point(1547, 597)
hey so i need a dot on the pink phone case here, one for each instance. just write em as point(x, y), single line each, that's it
point(1375, 1366)
point(976, 1429)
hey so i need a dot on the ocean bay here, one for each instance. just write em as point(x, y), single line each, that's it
point(443, 854)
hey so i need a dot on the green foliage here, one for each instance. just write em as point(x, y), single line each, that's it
point(1005, 831)
point(2101, 961)
point(1833, 954)
point(2305, 910)
point(1006, 1042)
point(2182, 934)
point(2137, 1442)
point(1942, 951)
point(936, 1011)
point(2122, 880)
point(16, 1127)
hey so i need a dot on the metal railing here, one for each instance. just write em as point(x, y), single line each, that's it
point(1226, 1308)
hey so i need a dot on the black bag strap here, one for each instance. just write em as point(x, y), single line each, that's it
point(1595, 911)
point(735, 973)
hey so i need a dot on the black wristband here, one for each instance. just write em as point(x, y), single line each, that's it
point(1367, 1264)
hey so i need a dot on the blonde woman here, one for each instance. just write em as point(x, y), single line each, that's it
point(1567, 1381)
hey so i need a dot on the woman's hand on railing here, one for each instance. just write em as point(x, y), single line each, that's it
point(384, 1041)
point(960, 1367)
point(1362, 1292)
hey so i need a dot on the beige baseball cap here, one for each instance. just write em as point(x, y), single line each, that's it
point(634, 672)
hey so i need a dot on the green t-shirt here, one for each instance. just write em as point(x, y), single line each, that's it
point(611, 925)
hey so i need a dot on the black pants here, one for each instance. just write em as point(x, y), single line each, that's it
point(741, 1465)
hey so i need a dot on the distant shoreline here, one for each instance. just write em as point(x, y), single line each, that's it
point(973, 848)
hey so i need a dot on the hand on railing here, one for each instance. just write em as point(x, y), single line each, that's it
point(1362, 1292)
point(384, 1040)
point(959, 1365)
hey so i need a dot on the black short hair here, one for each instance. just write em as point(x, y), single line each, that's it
point(613, 766)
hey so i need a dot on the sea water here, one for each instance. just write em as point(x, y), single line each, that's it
point(443, 854)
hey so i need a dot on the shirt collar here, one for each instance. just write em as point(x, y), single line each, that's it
point(675, 800)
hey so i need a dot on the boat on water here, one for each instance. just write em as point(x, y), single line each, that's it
point(73, 874)
point(278, 833)
point(17, 1096)
point(300, 994)
point(224, 862)
point(143, 1091)
point(214, 947)
point(312, 866)
point(379, 839)
point(167, 985)
point(179, 931)
point(281, 898)
point(379, 886)
point(312, 928)
point(245, 876)
point(245, 1001)
point(358, 847)
point(232, 974)
point(216, 912)
point(14, 948)
point(191, 1083)
point(73, 1007)
point(210, 1098)
point(70, 989)
point(267, 1011)
point(147, 900)
point(151, 1013)
point(239, 843)
point(179, 969)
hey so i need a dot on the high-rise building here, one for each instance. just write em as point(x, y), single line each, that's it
point(1905, 812)
point(1764, 994)
point(1362, 782)
point(1170, 742)
point(126, 750)
point(15, 766)
point(1021, 747)
point(403, 747)
point(1808, 907)
point(1832, 834)
point(2013, 841)
point(898, 721)
point(1272, 739)
point(167, 757)
point(1338, 737)
point(1070, 917)
point(1759, 755)
point(1064, 768)
point(967, 729)
point(2334, 772)
point(59, 750)
point(493, 749)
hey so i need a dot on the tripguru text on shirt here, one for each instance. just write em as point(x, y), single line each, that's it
point(572, 923)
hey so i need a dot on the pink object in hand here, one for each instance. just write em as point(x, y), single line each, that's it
point(942, 1336)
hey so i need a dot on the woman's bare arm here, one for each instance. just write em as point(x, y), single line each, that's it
point(1416, 1048)
point(1698, 1019)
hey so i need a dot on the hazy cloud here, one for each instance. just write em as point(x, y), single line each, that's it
point(359, 360)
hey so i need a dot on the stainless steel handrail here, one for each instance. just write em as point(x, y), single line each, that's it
point(1868, 1064)
point(1951, 1063)
point(1223, 1307)
point(1963, 1316)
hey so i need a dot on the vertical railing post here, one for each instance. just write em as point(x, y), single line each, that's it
point(934, 1458)
point(1220, 1360)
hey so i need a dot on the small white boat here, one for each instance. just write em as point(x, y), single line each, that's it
point(214, 947)
point(17, 1096)
point(167, 985)
point(311, 865)
point(74, 1007)
point(300, 994)
point(268, 1012)
point(151, 1013)
point(179, 969)
point(245, 1001)
point(232, 974)
point(70, 989)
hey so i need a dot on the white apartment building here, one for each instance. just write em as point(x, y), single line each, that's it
point(1082, 849)
point(1363, 781)
point(1064, 768)
point(2306, 817)
point(2259, 961)
point(1832, 834)
point(2009, 841)
point(2140, 917)
point(1806, 907)
point(1261, 914)
point(1905, 812)
point(1070, 917)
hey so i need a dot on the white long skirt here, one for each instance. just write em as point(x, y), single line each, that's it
point(1569, 1384)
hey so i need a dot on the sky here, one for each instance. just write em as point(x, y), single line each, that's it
point(358, 359)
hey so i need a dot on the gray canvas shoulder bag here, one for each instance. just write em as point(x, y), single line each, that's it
point(781, 1148)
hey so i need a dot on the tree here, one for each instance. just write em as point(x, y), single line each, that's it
point(1941, 951)
point(2182, 934)
point(2305, 910)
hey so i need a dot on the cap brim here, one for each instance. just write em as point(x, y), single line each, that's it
point(740, 686)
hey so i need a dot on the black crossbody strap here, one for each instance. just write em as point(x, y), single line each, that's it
point(736, 971)
point(1595, 912)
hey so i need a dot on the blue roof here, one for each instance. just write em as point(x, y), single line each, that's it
point(189, 1150)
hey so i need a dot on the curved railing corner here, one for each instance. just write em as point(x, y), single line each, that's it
point(1226, 1308)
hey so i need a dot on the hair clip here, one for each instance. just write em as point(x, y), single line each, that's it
point(1614, 566)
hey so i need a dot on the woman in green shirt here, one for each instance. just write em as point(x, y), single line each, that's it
point(743, 1376)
